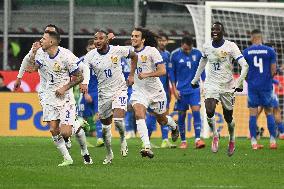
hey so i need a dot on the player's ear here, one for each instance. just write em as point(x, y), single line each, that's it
point(143, 41)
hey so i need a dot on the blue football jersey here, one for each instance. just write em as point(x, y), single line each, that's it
point(259, 59)
point(165, 78)
point(182, 69)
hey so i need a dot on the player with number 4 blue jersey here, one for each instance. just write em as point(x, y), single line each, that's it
point(262, 68)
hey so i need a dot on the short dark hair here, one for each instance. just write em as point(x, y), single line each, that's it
point(101, 31)
point(255, 31)
point(55, 35)
point(219, 23)
point(164, 35)
point(53, 26)
point(187, 40)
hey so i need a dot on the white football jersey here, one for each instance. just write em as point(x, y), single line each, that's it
point(148, 58)
point(57, 70)
point(42, 72)
point(107, 68)
point(219, 67)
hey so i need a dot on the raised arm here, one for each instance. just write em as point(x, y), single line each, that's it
point(134, 58)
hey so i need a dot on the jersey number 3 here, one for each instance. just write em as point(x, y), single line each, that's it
point(258, 63)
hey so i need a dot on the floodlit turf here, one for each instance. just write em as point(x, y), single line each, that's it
point(27, 162)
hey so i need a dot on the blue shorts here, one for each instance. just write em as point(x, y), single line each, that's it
point(260, 98)
point(192, 99)
point(89, 109)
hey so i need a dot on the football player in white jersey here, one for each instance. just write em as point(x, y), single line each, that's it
point(219, 82)
point(105, 61)
point(59, 103)
point(30, 57)
point(148, 91)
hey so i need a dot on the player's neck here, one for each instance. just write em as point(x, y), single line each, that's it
point(218, 43)
point(138, 49)
point(52, 51)
point(104, 50)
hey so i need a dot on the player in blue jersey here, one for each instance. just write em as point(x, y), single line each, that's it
point(151, 120)
point(184, 63)
point(276, 111)
point(88, 103)
point(262, 68)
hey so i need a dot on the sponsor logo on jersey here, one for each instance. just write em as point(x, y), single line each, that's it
point(181, 60)
point(144, 58)
point(114, 59)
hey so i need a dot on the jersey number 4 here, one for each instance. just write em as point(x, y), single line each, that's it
point(258, 62)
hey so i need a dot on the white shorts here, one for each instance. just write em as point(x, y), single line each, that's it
point(65, 113)
point(227, 99)
point(107, 104)
point(157, 103)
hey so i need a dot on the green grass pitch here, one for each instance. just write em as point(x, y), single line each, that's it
point(27, 162)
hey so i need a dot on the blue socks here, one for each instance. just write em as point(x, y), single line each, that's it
point(280, 127)
point(271, 125)
point(99, 129)
point(165, 131)
point(181, 124)
point(252, 126)
point(197, 123)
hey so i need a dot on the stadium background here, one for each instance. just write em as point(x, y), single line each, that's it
point(20, 25)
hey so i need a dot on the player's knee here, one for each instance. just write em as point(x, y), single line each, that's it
point(210, 113)
point(54, 131)
point(66, 131)
point(162, 119)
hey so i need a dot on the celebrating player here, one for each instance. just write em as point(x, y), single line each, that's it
point(105, 61)
point(219, 82)
point(148, 90)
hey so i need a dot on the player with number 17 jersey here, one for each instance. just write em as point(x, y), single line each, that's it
point(149, 89)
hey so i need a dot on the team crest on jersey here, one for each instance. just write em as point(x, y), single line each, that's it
point(56, 67)
point(144, 58)
point(114, 59)
point(223, 54)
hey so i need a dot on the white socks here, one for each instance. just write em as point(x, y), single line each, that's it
point(107, 137)
point(171, 123)
point(143, 132)
point(60, 144)
point(81, 138)
point(119, 124)
point(231, 129)
point(211, 123)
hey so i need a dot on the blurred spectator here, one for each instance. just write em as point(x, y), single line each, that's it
point(13, 55)
point(3, 87)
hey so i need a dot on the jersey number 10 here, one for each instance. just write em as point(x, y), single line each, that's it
point(258, 63)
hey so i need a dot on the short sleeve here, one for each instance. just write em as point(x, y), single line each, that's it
point(72, 62)
point(272, 56)
point(236, 53)
point(123, 51)
point(156, 56)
